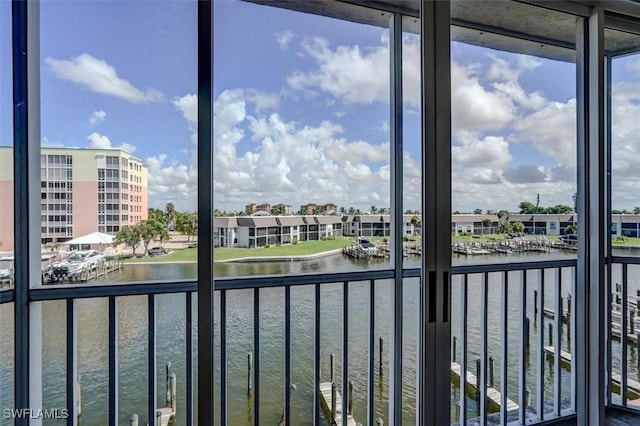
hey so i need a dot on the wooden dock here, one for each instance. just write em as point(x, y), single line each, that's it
point(493, 395)
point(325, 401)
point(633, 387)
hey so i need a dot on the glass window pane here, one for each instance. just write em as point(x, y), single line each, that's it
point(118, 128)
point(412, 140)
point(624, 49)
point(514, 180)
point(301, 141)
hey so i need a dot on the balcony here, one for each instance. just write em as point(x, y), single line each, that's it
point(506, 335)
point(520, 342)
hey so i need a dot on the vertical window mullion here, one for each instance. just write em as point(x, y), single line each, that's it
point(206, 282)
point(395, 348)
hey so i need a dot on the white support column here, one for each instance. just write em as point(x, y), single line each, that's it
point(590, 289)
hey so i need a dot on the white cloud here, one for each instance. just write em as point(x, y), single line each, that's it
point(475, 108)
point(283, 39)
point(98, 141)
point(551, 130)
point(489, 152)
point(188, 105)
point(97, 117)
point(350, 73)
point(99, 77)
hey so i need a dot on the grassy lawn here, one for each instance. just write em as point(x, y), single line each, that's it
point(625, 241)
point(303, 248)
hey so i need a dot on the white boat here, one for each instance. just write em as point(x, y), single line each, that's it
point(366, 247)
point(76, 263)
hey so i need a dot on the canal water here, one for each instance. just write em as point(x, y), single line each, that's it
point(92, 352)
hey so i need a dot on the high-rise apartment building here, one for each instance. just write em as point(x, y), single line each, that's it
point(82, 191)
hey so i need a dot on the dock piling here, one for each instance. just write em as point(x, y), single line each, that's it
point(333, 403)
point(167, 388)
point(133, 420)
point(158, 417)
point(249, 368)
point(478, 390)
point(174, 401)
point(535, 301)
point(380, 358)
point(331, 367)
point(527, 325)
point(632, 320)
point(550, 334)
point(453, 355)
point(350, 400)
point(491, 382)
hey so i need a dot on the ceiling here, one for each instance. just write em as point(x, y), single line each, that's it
point(513, 26)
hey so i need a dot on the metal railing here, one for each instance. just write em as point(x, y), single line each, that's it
point(481, 325)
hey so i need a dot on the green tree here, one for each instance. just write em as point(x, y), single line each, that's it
point(163, 236)
point(518, 228)
point(157, 214)
point(505, 227)
point(559, 209)
point(416, 221)
point(170, 215)
point(477, 211)
point(373, 210)
point(129, 236)
point(187, 224)
point(150, 230)
point(486, 224)
point(527, 208)
point(571, 229)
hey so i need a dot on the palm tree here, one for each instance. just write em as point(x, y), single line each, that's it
point(504, 227)
point(170, 215)
point(373, 209)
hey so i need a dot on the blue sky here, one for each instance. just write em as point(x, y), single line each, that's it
point(301, 107)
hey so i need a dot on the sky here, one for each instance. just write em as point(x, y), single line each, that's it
point(301, 110)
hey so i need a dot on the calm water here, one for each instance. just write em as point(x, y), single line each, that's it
point(92, 353)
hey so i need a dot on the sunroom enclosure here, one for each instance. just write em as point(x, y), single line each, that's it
point(255, 349)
